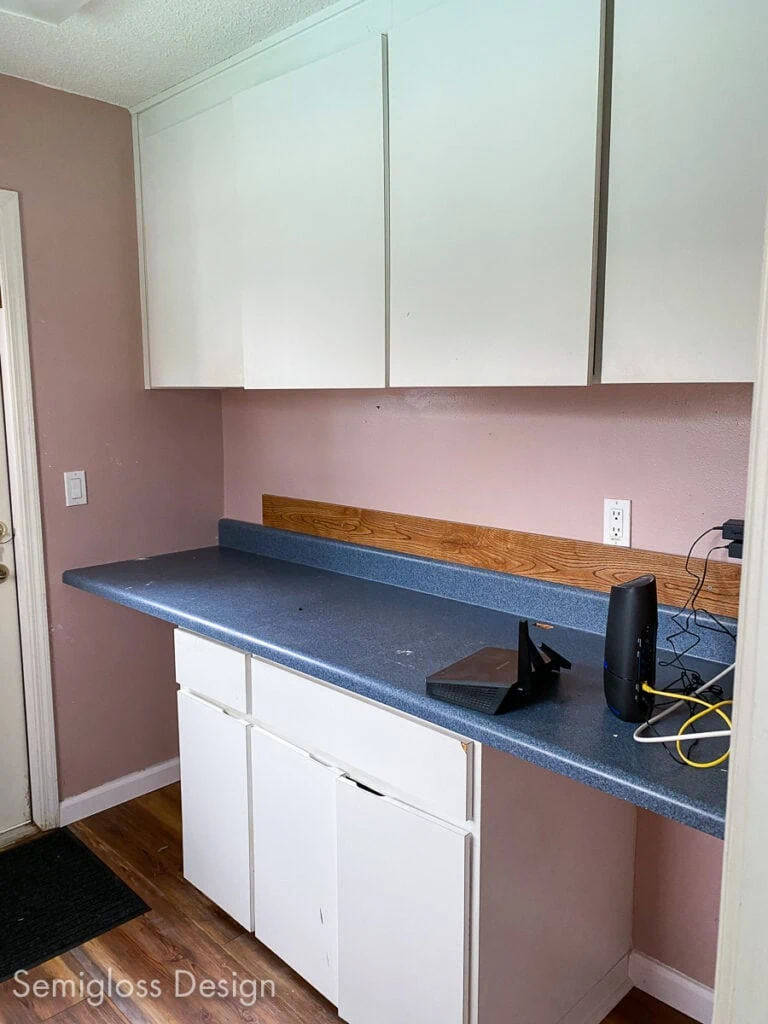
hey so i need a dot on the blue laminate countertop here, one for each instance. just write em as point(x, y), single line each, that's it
point(348, 626)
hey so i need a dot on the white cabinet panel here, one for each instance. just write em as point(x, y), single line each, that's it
point(191, 254)
point(294, 859)
point(213, 748)
point(688, 182)
point(211, 669)
point(403, 913)
point(311, 181)
point(405, 758)
point(493, 138)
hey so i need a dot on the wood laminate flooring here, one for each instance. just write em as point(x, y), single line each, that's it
point(183, 938)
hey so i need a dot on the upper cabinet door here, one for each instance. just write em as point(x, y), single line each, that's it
point(311, 180)
point(493, 141)
point(191, 258)
point(688, 181)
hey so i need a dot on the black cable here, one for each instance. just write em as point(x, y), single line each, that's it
point(683, 620)
point(689, 680)
point(684, 629)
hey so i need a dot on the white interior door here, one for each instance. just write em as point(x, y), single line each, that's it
point(14, 764)
point(403, 912)
point(294, 859)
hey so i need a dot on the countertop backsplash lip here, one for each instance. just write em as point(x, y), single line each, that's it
point(557, 603)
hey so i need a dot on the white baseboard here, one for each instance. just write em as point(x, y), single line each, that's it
point(75, 808)
point(672, 987)
point(600, 1000)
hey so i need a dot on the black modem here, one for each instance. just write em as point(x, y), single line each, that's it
point(496, 679)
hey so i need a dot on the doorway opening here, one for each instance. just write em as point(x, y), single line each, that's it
point(28, 764)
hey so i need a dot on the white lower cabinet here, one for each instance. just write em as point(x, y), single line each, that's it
point(215, 805)
point(299, 820)
point(403, 912)
point(294, 859)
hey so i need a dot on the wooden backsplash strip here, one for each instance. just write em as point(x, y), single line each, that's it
point(558, 560)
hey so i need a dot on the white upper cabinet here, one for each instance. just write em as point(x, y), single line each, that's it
point(191, 258)
point(493, 118)
point(310, 150)
point(688, 182)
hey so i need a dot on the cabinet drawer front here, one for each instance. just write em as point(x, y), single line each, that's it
point(215, 804)
point(212, 670)
point(420, 765)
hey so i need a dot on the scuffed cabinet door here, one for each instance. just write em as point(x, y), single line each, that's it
point(294, 859)
point(213, 747)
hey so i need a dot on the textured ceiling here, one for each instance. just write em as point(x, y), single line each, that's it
point(125, 51)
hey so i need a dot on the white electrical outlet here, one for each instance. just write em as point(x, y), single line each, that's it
point(617, 522)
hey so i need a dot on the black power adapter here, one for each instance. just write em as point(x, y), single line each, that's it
point(733, 531)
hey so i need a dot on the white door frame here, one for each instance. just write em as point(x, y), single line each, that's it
point(27, 518)
point(741, 988)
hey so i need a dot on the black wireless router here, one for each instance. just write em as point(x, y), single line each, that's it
point(495, 679)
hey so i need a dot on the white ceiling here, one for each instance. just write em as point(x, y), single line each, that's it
point(126, 51)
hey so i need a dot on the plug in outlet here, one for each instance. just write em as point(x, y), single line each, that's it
point(617, 522)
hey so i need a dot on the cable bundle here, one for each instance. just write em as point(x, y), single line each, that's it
point(680, 700)
point(693, 687)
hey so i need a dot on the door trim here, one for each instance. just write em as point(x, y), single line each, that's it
point(741, 982)
point(25, 499)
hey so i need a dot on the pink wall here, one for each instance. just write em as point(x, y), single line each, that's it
point(153, 459)
point(528, 459)
point(538, 459)
point(677, 896)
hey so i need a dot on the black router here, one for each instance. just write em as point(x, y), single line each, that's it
point(496, 679)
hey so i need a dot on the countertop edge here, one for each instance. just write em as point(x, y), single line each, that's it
point(558, 761)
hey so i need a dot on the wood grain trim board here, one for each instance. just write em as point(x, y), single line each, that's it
point(555, 559)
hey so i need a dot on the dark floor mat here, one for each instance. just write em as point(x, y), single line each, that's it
point(56, 894)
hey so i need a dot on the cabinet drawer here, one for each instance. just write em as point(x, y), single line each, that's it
point(212, 670)
point(396, 755)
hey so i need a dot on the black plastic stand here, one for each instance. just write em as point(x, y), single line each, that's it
point(496, 679)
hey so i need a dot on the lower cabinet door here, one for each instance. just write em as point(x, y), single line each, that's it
point(403, 912)
point(213, 748)
point(294, 859)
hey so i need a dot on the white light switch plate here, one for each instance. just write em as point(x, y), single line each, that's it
point(617, 522)
point(75, 491)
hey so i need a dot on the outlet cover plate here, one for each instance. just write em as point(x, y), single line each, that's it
point(617, 522)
